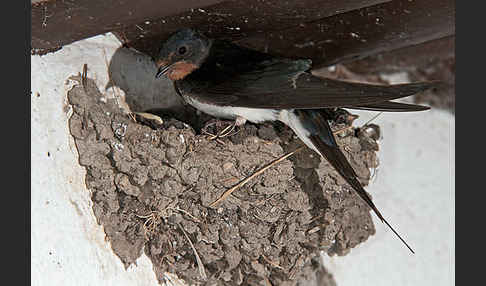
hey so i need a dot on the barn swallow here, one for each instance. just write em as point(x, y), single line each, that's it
point(227, 81)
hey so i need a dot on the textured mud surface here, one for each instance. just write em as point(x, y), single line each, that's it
point(151, 191)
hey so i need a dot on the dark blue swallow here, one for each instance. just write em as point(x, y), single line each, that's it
point(231, 82)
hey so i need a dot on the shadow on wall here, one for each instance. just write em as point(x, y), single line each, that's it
point(134, 73)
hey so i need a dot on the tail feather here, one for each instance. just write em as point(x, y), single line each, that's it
point(390, 106)
point(312, 127)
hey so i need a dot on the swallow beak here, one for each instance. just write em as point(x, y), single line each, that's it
point(162, 70)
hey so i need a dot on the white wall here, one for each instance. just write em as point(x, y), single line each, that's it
point(68, 246)
point(415, 191)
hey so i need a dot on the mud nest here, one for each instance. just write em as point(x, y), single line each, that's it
point(151, 190)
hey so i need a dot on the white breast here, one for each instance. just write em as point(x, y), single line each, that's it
point(255, 115)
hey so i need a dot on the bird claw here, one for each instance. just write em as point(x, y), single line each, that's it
point(227, 131)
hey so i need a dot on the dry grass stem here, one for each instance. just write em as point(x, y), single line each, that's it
point(260, 171)
point(84, 77)
point(200, 265)
point(226, 132)
point(274, 264)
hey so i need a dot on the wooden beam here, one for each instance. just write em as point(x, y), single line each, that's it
point(235, 20)
point(360, 33)
point(59, 22)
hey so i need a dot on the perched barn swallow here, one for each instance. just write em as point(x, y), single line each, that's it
point(231, 82)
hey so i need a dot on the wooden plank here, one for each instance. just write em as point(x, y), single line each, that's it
point(59, 22)
point(236, 19)
point(360, 33)
point(410, 58)
point(325, 31)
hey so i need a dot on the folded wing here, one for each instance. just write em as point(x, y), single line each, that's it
point(286, 84)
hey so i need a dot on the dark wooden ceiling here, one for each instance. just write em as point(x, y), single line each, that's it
point(326, 31)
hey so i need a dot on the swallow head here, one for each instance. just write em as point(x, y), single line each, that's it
point(182, 53)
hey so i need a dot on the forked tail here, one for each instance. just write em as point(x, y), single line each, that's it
point(312, 127)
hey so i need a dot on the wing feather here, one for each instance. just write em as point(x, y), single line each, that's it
point(390, 106)
point(286, 84)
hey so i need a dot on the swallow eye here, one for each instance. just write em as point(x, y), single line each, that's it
point(182, 50)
